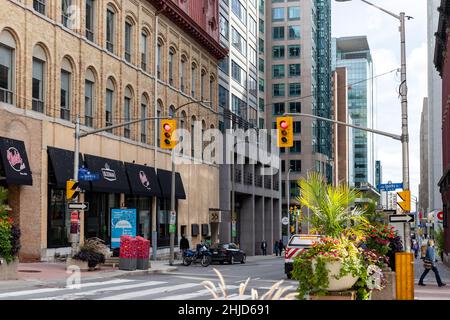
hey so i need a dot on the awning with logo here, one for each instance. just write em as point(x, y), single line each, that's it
point(61, 167)
point(112, 174)
point(15, 166)
point(165, 181)
point(143, 180)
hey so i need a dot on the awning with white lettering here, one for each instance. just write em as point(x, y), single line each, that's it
point(113, 178)
point(15, 168)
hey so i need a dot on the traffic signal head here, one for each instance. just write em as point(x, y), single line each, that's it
point(168, 127)
point(285, 132)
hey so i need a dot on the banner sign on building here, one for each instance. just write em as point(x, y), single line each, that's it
point(123, 223)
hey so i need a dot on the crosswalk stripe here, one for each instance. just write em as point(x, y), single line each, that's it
point(193, 294)
point(100, 290)
point(47, 290)
point(131, 295)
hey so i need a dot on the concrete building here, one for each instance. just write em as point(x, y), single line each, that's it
point(107, 61)
point(434, 112)
point(249, 201)
point(424, 159)
point(442, 64)
point(298, 44)
point(340, 133)
point(354, 54)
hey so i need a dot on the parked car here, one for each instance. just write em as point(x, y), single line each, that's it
point(296, 243)
point(227, 252)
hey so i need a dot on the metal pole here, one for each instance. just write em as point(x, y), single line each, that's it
point(172, 209)
point(233, 194)
point(288, 196)
point(75, 237)
point(405, 135)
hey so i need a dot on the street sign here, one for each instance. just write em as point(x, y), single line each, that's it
point(85, 175)
point(401, 218)
point(173, 217)
point(406, 197)
point(78, 206)
point(440, 216)
point(72, 190)
point(285, 221)
point(390, 186)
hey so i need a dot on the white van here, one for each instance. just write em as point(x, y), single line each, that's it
point(296, 243)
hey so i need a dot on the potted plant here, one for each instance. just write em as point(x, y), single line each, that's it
point(337, 262)
point(93, 253)
point(9, 240)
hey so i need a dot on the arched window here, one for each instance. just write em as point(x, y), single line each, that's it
point(128, 39)
point(193, 119)
point(66, 89)
point(183, 73)
point(171, 111)
point(110, 102)
point(144, 114)
point(193, 79)
point(159, 59)
point(159, 109)
point(127, 105)
point(202, 84)
point(144, 49)
point(39, 77)
point(110, 28)
point(203, 133)
point(182, 126)
point(212, 89)
point(171, 61)
point(89, 98)
point(7, 67)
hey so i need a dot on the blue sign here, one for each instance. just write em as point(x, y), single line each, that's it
point(123, 223)
point(85, 175)
point(390, 186)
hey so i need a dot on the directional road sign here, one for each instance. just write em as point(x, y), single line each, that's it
point(401, 218)
point(390, 186)
point(78, 206)
point(285, 220)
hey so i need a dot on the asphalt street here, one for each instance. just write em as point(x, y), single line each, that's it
point(183, 284)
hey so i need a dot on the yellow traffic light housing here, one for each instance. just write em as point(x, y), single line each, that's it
point(406, 197)
point(168, 127)
point(72, 190)
point(285, 132)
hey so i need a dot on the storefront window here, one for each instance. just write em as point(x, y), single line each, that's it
point(163, 223)
point(143, 207)
point(58, 219)
point(98, 218)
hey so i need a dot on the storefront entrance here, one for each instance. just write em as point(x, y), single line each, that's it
point(143, 207)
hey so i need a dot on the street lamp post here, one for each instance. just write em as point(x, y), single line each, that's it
point(288, 196)
point(404, 103)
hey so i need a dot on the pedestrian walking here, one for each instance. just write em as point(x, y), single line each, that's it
point(275, 248)
point(264, 247)
point(429, 263)
point(415, 247)
point(280, 246)
point(184, 244)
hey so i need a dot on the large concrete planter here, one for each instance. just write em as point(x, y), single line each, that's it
point(388, 293)
point(8, 271)
point(342, 284)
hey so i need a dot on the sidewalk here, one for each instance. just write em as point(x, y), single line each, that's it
point(431, 291)
point(43, 273)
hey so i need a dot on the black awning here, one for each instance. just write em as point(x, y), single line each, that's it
point(15, 162)
point(143, 180)
point(112, 174)
point(165, 181)
point(62, 162)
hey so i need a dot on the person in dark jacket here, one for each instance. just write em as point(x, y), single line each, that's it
point(431, 256)
point(184, 244)
point(275, 248)
point(264, 247)
point(280, 246)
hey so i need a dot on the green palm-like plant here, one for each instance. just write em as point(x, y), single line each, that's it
point(331, 206)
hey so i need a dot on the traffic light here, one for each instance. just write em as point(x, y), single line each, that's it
point(167, 133)
point(406, 197)
point(285, 132)
point(72, 190)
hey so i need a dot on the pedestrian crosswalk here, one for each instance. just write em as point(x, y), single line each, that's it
point(128, 289)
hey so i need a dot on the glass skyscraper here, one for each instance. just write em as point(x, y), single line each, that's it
point(354, 54)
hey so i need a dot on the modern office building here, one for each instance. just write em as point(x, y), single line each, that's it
point(298, 79)
point(424, 159)
point(249, 201)
point(434, 112)
point(108, 62)
point(378, 173)
point(354, 54)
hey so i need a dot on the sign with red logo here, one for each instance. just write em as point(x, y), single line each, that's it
point(440, 216)
point(14, 161)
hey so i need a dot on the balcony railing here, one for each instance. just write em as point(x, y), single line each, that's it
point(237, 175)
point(276, 185)
point(259, 181)
point(248, 178)
point(6, 96)
point(268, 183)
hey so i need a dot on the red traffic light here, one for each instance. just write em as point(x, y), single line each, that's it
point(167, 127)
point(284, 124)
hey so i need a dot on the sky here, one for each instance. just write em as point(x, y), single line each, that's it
point(356, 18)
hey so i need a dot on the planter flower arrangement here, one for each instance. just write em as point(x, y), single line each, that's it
point(379, 238)
point(337, 262)
point(9, 233)
point(93, 251)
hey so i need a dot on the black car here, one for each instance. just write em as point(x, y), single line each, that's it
point(227, 252)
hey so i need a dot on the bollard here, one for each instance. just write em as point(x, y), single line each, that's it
point(404, 269)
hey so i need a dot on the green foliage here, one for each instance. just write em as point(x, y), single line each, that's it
point(310, 280)
point(439, 240)
point(331, 207)
point(6, 221)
